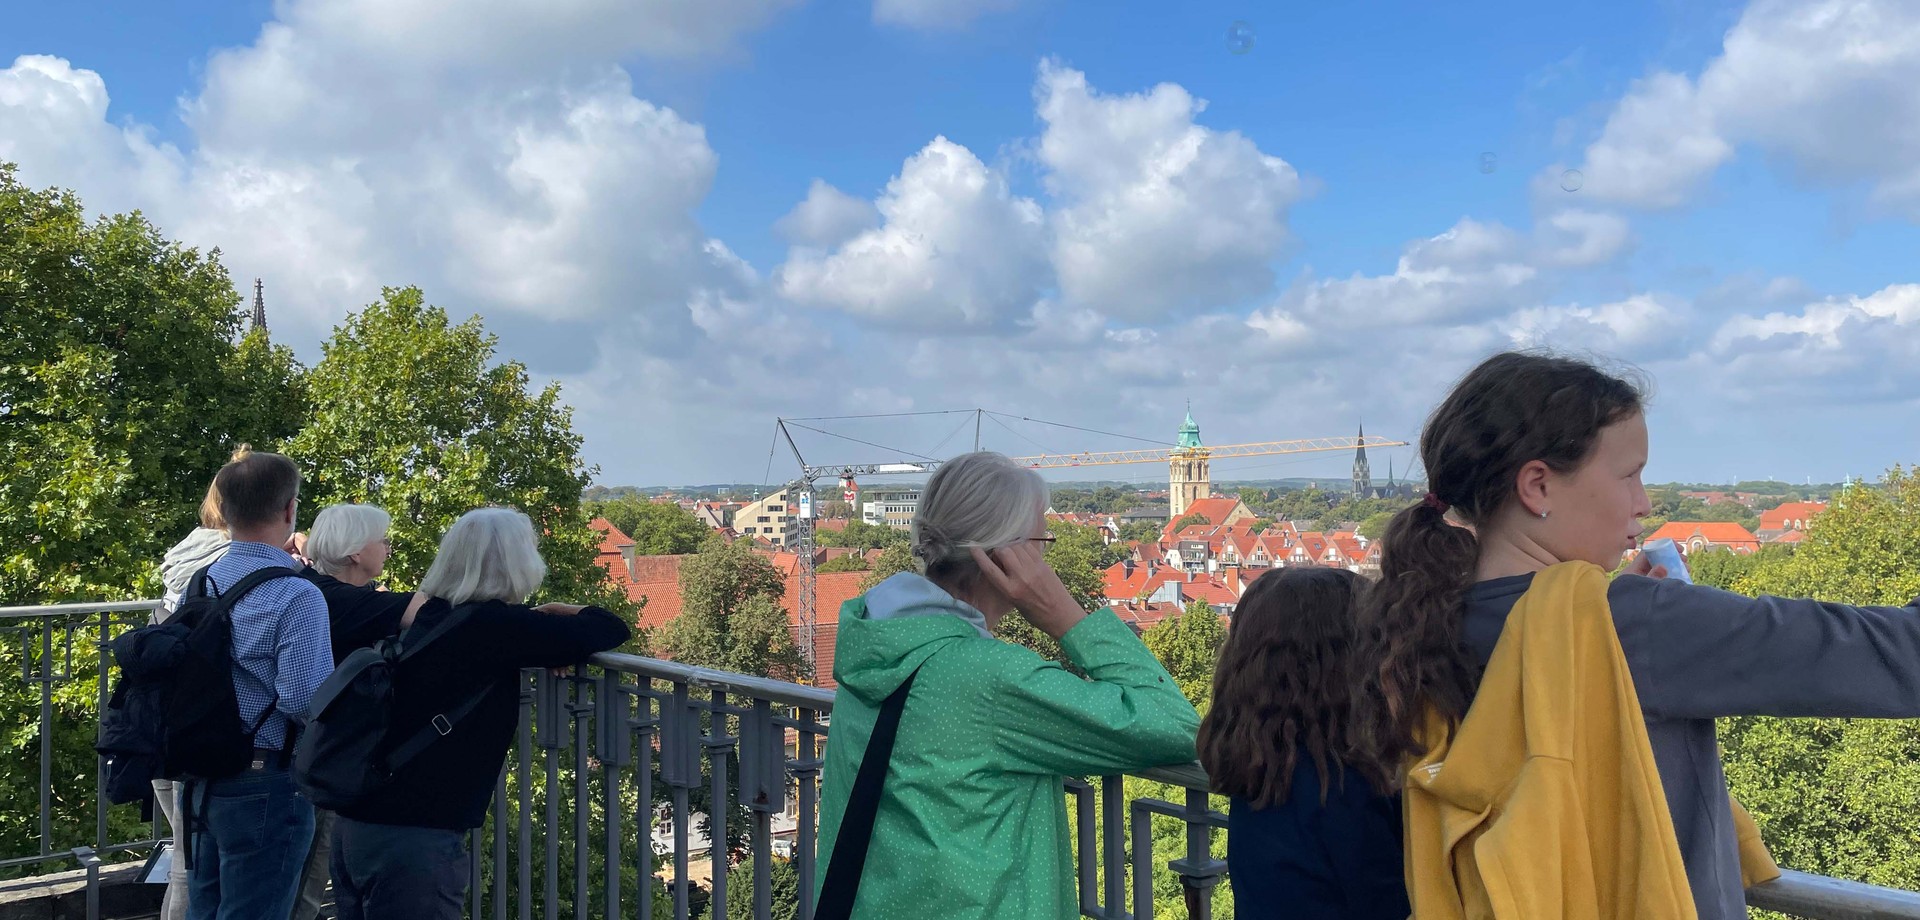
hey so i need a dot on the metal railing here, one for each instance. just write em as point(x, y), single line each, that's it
point(629, 775)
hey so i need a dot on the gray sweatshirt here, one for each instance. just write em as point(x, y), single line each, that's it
point(1698, 653)
point(193, 553)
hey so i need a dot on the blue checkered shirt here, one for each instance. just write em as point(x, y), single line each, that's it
point(281, 641)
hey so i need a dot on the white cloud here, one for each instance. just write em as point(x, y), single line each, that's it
point(1827, 84)
point(494, 153)
point(957, 249)
point(1472, 271)
point(1157, 213)
point(936, 14)
point(53, 121)
point(1575, 238)
point(826, 218)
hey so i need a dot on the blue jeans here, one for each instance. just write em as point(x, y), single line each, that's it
point(391, 872)
point(249, 847)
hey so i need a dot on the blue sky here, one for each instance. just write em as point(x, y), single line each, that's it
point(1744, 229)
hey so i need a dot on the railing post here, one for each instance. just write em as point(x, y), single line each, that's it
point(719, 744)
point(648, 727)
point(551, 738)
point(806, 774)
point(46, 736)
point(1113, 844)
point(1199, 872)
point(581, 710)
point(88, 859)
point(680, 768)
point(613, 748)
point(763, 787)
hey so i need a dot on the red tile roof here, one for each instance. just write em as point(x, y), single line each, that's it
point(1784, 517)
point(1717, 533)
point(1122, 587)
point(1216, 510)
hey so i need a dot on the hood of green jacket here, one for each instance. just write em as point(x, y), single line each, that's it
point(891, 630)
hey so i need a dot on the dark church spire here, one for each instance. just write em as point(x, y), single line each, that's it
point(259, 305)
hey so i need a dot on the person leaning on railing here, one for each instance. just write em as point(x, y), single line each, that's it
point(970, 820)
point(1540, 458)
point(402, 855)
point(347, 549)
point(183, 560)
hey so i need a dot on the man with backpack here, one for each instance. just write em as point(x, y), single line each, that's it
point(251, 827)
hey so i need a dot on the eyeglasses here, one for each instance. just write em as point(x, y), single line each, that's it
point(1049, 538)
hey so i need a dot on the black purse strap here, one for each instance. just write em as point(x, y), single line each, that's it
point(863, 805)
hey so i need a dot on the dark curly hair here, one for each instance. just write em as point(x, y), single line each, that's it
point(1513, 409)
point(1282, 685)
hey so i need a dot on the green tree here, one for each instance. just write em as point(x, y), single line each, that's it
point(657, 528)
point(1375, 525)
point(784, 881)
point(852, 562)
point(1723, 568)
point(862, 535)
point(1087, 542)
point(412, 413)
point(892, 561)
point(1839, 797)
point(731, 617)
point(1188, 644)
point(1140, 532)
point(121, 393)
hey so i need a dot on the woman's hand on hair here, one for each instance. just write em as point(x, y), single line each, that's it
point(555, 607)
point(1021, 573)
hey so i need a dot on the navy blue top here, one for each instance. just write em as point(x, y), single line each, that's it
point(1311, 861)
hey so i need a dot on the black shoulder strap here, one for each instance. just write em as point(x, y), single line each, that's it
point(411, 644)
point(863, 805)
point(252, 581)
point(197, 585)
point(440, 725)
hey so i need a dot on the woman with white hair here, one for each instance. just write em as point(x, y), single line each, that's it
point(969, 819)
point(402, 854)
point(347, 549)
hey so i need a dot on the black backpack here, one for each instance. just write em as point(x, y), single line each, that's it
point(205, 737)
point(133, 733)
point(343, 759)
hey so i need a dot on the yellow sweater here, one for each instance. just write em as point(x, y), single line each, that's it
point(1546, 802)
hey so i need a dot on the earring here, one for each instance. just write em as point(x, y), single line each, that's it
point(1543, 515)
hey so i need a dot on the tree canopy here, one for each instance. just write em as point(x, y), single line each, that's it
point(731, 615)
point(1839, 797)
point(656, 528)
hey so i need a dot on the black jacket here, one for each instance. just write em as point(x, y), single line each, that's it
point(133, 727)
point(358, 615)
point(450, 784)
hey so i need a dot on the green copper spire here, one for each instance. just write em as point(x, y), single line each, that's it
point(1190, 432)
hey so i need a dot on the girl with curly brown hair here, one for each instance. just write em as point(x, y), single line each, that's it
point(1310, 833)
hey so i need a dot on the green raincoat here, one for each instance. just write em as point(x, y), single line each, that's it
point(972, 820)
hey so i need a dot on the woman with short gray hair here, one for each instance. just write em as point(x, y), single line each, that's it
point(402, 855)
point(969, 821)
point(347, 549)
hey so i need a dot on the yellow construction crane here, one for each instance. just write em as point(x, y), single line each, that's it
point(847, 473)
point(1165, 454)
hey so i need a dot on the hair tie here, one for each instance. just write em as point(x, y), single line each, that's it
point(1435, 502)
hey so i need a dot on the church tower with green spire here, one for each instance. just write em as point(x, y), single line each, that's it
point(1187, 477)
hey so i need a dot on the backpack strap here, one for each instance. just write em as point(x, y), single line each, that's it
point(863, 806)
point(254, 579)
point(410, 646)
point(442, 724)
point(224, 607)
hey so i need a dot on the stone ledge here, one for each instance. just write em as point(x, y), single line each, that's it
point(63, 895)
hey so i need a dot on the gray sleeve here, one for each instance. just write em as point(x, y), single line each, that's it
point(1699, 652)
